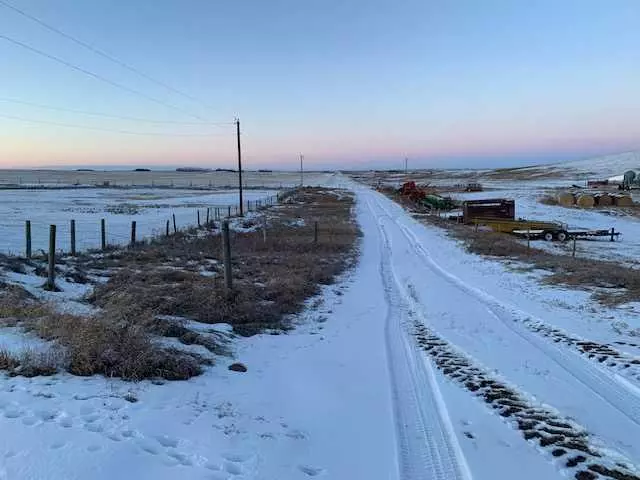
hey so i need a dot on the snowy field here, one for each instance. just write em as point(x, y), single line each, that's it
point(150, 208)
point(55, 178)
point(353, 393)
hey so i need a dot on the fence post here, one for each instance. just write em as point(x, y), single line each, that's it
point(175, 228)
point(167, 228)
point(73, 238)
point(229, 211)
point(103, 233)
point(207, 222)
point(613, 233)
point(28, 235)
point(198, 214)
point(133, 233)
point(226, 255)
point(315, 232)
point(264, 229)
point(51, 277)
point(528, 238)
point(573, 253)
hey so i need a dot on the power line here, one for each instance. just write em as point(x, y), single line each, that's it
point(125, 132)
point(97, 76)
point(99, 52)
point(108, 115)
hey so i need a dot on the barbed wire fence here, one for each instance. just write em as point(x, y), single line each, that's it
point(71, 240)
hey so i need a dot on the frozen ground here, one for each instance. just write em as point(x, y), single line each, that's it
point(426, 362)
point(150, 208)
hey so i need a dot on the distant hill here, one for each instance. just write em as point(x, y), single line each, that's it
point(192, 169)
point(604, 166)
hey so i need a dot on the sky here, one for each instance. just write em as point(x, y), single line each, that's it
point(350, 84)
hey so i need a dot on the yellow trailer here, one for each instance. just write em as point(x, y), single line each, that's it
point(547, 230)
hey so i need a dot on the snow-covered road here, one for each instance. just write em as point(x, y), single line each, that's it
point(492, 334)
point(426, 362)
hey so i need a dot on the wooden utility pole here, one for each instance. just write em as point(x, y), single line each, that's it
point(239, 166)
point(301, 170)
point(406, 164)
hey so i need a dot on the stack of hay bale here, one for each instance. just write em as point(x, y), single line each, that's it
point(603, 199)
point(622, 200)
point(585, 200)
point(566, 199)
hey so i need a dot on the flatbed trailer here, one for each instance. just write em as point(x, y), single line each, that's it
point(611, 234)
point(547, 230)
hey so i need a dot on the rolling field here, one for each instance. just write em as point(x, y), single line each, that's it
point(156, 178)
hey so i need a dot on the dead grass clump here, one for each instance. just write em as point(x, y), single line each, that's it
point(16, 303)
point(114, 347)
point(490, 243)
point(8, 361)
point(31, 362)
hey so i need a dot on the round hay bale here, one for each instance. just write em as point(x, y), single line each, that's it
point(604, 200)
point(585, 200)
point(623, 200)
point(566, 199)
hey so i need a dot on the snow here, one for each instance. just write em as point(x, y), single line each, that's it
point(624, 250)
point(348, 394)
point(150, 208)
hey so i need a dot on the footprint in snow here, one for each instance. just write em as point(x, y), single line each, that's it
point(47, 415)
point(311, 471)
point(236, 457)
point(166, 441)
point(92, 427)
point(148, 446)
point(233, 468)
point(66, 422)
point(181, 458)
point(220, 476)
point(29, 421)
point(13, 413)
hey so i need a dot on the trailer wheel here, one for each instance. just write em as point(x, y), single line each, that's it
point(562, 236)
point(548, 236)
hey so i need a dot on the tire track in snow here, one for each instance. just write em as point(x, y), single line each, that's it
point(565, 440)
point(619, 393)
point(428, 447)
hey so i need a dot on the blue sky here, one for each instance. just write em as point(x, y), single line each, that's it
point(348, 83)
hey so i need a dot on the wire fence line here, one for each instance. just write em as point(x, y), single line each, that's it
point(73, 236)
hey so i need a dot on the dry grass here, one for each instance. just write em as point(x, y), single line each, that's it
point(622, 283)
point(17, 304)
point(272, 278)
point(30, 362)
point(114, 347)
